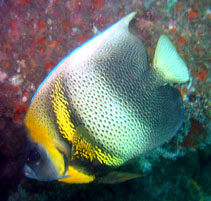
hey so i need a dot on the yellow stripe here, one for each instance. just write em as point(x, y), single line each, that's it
point(83, 148)
point(76, 177)
point(60, 103)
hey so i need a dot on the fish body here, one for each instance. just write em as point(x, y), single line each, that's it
point(103, 106)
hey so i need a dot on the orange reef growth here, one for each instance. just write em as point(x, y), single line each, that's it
point(192, 14)
point(19, 113)
point(181, 41)
point(50, 65)
point(196, 135)
point(202, 74)
point(179, 6)
point(97, 4)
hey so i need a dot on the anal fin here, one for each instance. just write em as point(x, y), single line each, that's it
point(118, 177)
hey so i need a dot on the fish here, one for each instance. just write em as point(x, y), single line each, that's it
point(102, 106)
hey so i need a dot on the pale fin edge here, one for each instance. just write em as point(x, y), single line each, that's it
point(117, 177)
point(168, 63)
point(120, 24)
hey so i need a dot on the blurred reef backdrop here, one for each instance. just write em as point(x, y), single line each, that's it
point(36, 34)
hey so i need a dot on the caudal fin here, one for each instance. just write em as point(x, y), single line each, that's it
point(168, 63)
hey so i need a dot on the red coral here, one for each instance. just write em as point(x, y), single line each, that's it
point(179, 6)
point(195, 136)
point(192, 14)
point(42, 41)
point(19, 113)
point(22, 2)
point(181, 41)
point(50, 65)
point(41, 24)
point(202, 74)
point(13, 25)
point(97, 4)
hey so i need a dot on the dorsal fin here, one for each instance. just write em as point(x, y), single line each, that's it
point(118, 26)
point(90, 46)
point(122, 23)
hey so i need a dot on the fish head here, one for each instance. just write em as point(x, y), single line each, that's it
point(41, 166)
point(47, 155)
point(45, 164)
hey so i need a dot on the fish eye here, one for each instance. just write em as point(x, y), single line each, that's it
point(33, 156)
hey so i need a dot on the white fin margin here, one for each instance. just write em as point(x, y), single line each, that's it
point(168, 63)
point(112, 32)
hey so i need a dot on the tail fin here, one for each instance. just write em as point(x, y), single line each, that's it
point(168, 63)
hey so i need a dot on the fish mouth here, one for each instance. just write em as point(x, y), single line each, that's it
point(28, 172)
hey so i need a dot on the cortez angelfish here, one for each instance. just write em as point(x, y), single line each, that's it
point(102, 106)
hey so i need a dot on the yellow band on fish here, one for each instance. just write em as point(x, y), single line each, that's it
point(83, 148)
point(77, 177)
point(56, 158)
point(60, 103)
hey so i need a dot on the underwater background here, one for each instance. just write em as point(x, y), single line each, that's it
point(36, 35)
